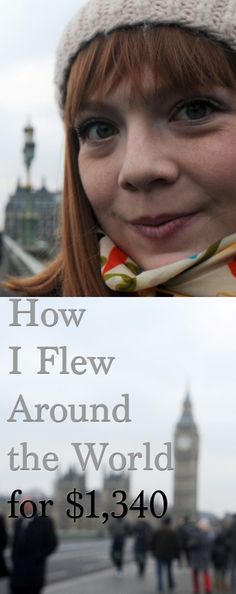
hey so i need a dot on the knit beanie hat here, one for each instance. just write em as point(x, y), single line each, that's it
point(216, 18)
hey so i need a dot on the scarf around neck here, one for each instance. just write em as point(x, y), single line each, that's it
point(210, 273)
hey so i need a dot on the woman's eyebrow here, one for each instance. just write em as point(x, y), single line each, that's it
point(100, 106)
point(152, 97)
point(97, 106)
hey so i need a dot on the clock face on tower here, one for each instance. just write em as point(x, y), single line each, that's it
point(184, 442)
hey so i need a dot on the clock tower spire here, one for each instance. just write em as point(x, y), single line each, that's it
point(186, 442)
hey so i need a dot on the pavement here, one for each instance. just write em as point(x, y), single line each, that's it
point(106, 582)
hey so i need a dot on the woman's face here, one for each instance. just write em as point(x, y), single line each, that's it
point(160, 171)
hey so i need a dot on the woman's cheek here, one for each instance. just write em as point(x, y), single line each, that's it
point(213, 163)
point(98, 181)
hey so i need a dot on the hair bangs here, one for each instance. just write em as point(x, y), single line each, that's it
point(176, 57)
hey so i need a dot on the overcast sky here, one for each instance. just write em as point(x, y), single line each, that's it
point(29, 34)
point(160, 347)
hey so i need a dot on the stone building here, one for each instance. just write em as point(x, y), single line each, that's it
point(113, 482)
point(64, 485)
point(186, 448)
point(32, 219)
point(32, 216)
point(103, 501)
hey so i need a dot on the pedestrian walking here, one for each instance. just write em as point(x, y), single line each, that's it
point(119, 530)
point(199, 546)
point(220, 560)
point(183, 532)
point(232, 553)
point(147, 93)
point(34, 540)
point(165, 549)
point(142, 533)
point(3, 566)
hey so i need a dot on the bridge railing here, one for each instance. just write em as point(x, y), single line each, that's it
point(17, 261)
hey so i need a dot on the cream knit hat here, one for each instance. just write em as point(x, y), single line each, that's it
point(217, 18)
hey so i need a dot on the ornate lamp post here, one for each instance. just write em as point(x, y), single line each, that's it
point(28, 151)
point(29, 218)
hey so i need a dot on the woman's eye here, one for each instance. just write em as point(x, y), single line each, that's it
point(195, 110)
point(96, 131)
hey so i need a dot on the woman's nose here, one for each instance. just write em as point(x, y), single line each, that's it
point(147, 160)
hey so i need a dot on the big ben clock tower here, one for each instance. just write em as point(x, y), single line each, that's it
point(186, 464)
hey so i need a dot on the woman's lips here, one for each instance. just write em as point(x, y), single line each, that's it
point(161, 227)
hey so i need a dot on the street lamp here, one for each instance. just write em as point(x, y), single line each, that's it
point(28, 215)
point(28, 151)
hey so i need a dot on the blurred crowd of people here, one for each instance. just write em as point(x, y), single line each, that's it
point(210, 553)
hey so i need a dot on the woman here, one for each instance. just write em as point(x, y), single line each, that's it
point(147, 91)
point(199, 546)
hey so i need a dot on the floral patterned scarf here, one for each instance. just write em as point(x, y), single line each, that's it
point(211, 273)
